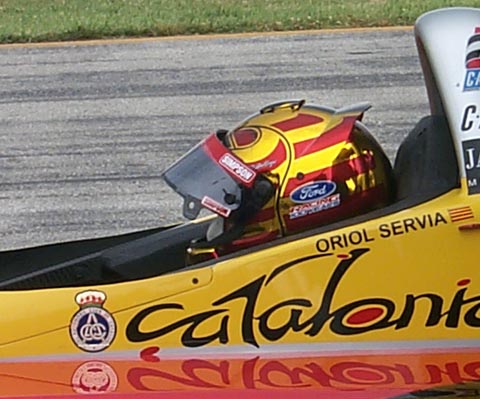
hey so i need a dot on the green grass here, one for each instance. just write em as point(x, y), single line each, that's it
point(47, 20)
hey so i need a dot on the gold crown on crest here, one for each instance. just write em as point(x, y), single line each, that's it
point(92, 297)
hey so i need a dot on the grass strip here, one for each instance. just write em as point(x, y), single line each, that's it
point(53, 20)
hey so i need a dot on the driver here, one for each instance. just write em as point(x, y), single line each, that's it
point(289, 168)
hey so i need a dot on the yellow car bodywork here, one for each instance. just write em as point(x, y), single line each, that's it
point(409, 277)
point(389, 300)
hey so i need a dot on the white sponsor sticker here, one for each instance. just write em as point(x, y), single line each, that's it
point(242, 171)
point(215, 206)
point(322, 204)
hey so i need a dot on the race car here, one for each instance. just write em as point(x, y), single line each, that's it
point(321, 268)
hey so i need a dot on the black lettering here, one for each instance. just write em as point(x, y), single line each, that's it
point(250, 293)
point(356, 317)
point(384, 231)
point(467, 122)
point(134, 333)
point(274, 334)
point(453, 313)
point(189, 340)
point(338, 323)
point(133, 329)
point(355, 237)
point(323, 245)
point(397, 228)
point(409, 309)
point(323, 314)
point(471, 317)
point(336, 240)
point(440, 219)
point(366, 237)
point(409, 224)
point(422, 222)
point(430, 221)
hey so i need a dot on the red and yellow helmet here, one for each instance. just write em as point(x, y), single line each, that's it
point(291, 167)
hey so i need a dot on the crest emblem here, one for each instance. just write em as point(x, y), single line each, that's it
point(92, 328)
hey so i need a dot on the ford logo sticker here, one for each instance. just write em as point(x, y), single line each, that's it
point(313, 191)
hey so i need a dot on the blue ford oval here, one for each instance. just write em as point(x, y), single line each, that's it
point(313, 191)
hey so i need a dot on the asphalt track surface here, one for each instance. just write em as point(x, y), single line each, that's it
point(86, 130)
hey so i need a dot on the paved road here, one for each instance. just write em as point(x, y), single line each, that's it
point(86, 130)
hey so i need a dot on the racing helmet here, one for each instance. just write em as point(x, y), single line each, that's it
point(288, 168)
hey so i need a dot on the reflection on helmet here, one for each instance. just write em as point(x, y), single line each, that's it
point(291, 167)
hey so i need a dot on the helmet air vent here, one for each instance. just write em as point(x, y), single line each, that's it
point(294, 105)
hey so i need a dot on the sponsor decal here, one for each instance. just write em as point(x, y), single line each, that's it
point(94, 377)
point(314, 207)
point(472, 80)
point(404, 226)
point(470, 118)
point(264, 165)
point(307, 316)
point(461, 213)
point(215, 206)
point(272, 160)
point(382, 231)
point(313, 191)
point(237, 168)
point(471, 159)
point(472, 62)
point(345, 240)
point(92, 328)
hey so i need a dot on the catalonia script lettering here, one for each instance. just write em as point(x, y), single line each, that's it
point(352, 318)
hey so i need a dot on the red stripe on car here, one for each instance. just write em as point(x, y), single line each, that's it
point(331, 137)
point(301, 120)
point(339, 172)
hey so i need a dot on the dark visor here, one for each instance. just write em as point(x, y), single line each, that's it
point(209, 176)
